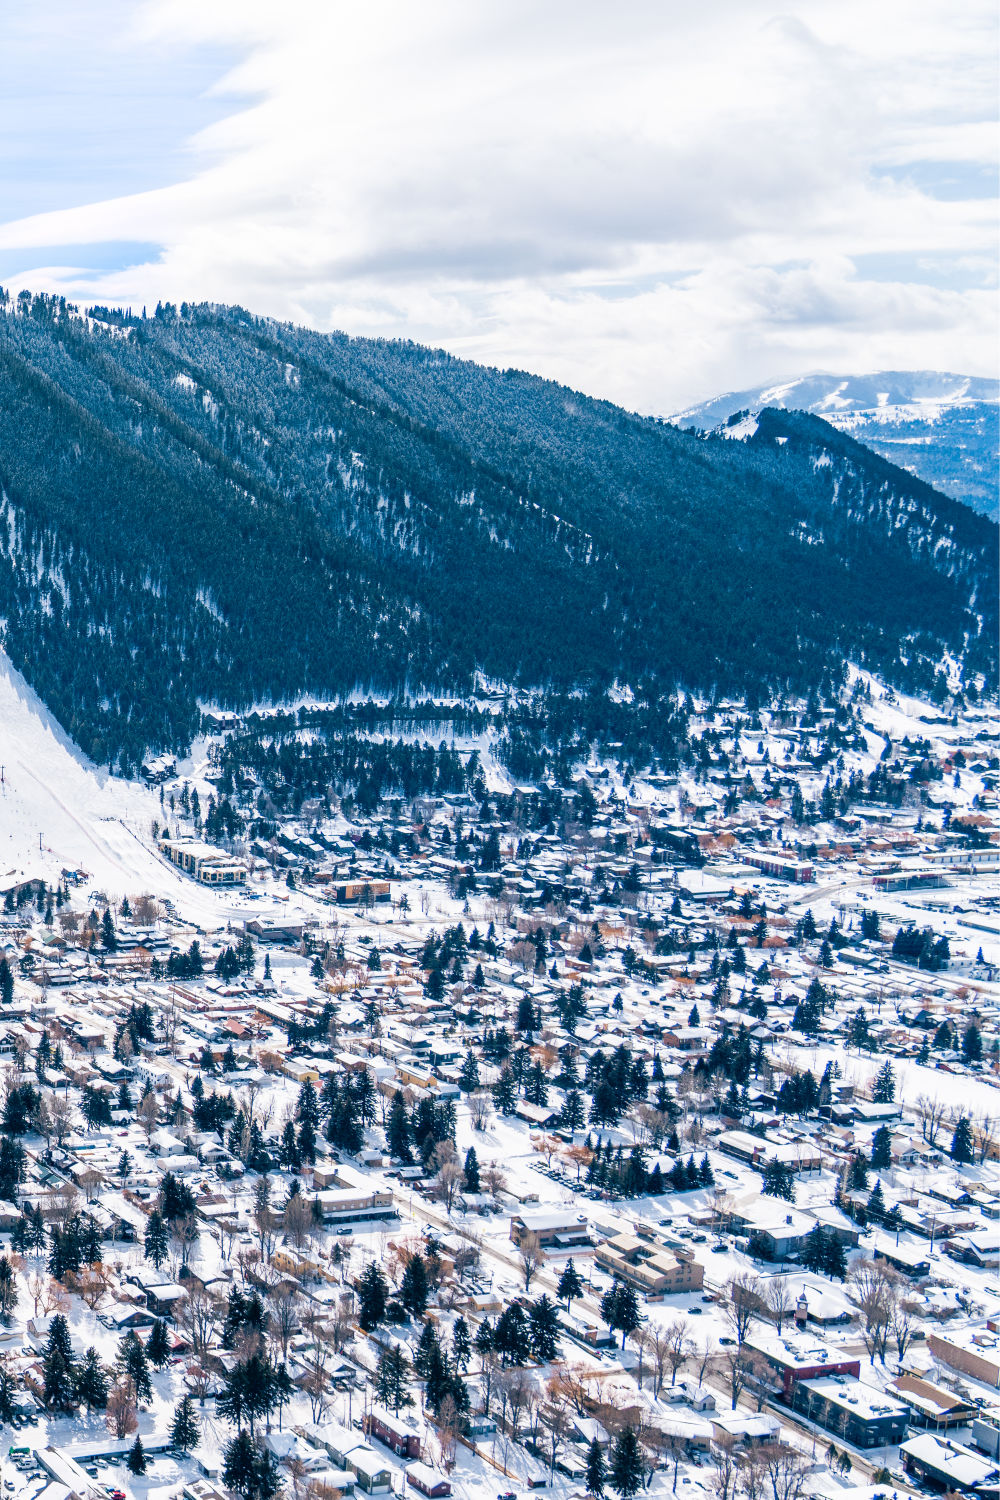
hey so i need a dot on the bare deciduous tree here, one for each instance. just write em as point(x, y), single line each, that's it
point(724, 1465)
point(679, 1346)
point(777, 1300)
point(120, 1414)
point(198, 1315)
point(297, 1222)
point(531, 1255)
point(480, 1109)
point(932, 1113)
point(872, 1287)
point(743, 1303)
point(786, 1469)
point(448, 1183)
point(285, 1309)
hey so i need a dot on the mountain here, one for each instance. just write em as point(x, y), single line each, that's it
point(207, 507)
point(943, 428)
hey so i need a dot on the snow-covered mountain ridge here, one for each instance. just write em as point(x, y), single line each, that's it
point(942, 427)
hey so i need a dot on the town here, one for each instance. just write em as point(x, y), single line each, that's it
point(623, 1127)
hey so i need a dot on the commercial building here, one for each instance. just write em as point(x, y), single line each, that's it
point(975, 1353)
point(650, 1267)
point(354, 1199)
point(552, 1231)
point(860, 1414)
point(795, 1356)
point(204, 862)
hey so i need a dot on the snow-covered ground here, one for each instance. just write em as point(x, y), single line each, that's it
point(59, 812)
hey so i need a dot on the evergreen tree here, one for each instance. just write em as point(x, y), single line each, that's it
point(157, 1240)
point(249, 1470)
point(58, 1366)
point(620, 1308)
point(961, 1142)
point(570, 1284)
point(511, 1337)
point(109, 938)
point(461, 1344)
point(132, 1363)
point(413, 1288)
point(596, 1469)
point(834, 1263)
point(779, 1180)
point(625, 1471)
point(185, 1432)
point(398, 1135)
point(426, 1345)
point(881, 1157)
point(158, 1345)
point(471, 1171)
point(876, 1203)
point(391, 1379)
point(373, 1291)
point(884, 1086)
point(468, 1079)
point(92, 1382)
point(543, 1325)
point(972, 1044)
point(136, 1459)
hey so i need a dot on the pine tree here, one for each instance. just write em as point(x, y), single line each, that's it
point(620, 1308)
point(58, 1366)
point(570, 1284)
point(157, 1241)
point(185, 1432)
point(461, 1344)
point(596, 1469)
point(543, 1324)
point(471, 1171)
point(876, 1202)
point(625, 1471)
point(92, 1382)
point(158, 1345)
point(391, 1379)
point(972, 1044)
point(398, 1134)
point(131, 1362)
point(413, 1288)
point(881, 1149)
point(834, 1262)
point(884, 1086)
point(136, 1459)
point(109, 938)
point(372, 1294)
point(961, 1142)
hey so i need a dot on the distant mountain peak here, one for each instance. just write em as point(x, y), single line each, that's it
point(941, 426)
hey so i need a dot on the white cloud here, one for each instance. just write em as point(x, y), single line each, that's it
point(651, 201)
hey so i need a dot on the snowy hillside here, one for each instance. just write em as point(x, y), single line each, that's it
point(58, 812)
point(944, 428)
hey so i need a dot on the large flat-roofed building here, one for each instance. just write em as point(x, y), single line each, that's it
point(860, 1414)
point(554, 1231)
point(354, 1199)
point(796, 1356)
point(974, 1352)
point(203, 862)
point(650, 1267)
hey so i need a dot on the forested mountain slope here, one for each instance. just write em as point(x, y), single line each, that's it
point(205, 505)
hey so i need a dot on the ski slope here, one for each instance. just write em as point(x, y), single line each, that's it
point(60, 812)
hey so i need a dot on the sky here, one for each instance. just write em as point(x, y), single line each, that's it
point(653, 201)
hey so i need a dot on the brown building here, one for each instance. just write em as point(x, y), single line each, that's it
point(650, 1267)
